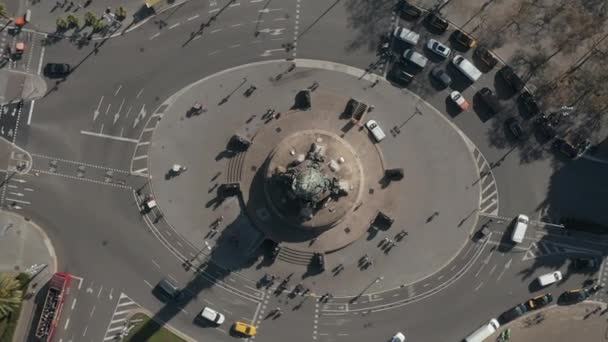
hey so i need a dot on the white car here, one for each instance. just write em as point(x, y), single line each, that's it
point(406, 35)
point(438, 48)
point(399, 337)
point(213, 316)
point(459, 100)
point(375, 130)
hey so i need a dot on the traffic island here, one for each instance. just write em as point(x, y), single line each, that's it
point(141, 324)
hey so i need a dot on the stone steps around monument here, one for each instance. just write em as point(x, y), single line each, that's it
point(235, 168)
point(293, 256)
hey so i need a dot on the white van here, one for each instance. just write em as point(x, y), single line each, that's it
point(375, 130)
point(213, 316)
point(483, 332)
point(406, 35)
point(467, 68)
point(550, 278)
point(519, 231)
point(413, 57)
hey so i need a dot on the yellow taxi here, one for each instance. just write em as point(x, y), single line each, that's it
point(244, 328)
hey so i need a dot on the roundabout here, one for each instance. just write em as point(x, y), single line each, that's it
point(366, 227)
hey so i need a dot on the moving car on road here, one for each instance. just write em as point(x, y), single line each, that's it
point(539, 301)
point(459, 100)
point(406, 35)
point(585, 264)
point(57, 70)
point(573, 296)
point(212, 316)
point(519, 231)
point(549, 278)
point(375, 130)
point(438, 48)
point(467, 68)
point(442, 77)
point(243, 328)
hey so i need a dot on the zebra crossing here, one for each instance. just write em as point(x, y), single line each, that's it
point(488, 203)
point(119, 321)
point(545, 248)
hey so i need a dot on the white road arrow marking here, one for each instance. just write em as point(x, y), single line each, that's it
point(507, 265)
point(266, 10)
point(17, 194)
point(18, 180)
point(96, 112)
point(276, 32)
point(117, 115)
point(269, 52)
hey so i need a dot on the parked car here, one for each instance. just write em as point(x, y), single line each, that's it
point(441, 77)
point(490, 99)
point(409, 11)
point(459, 100)
point(245, 329)
point(549, 278)
point(466, 68)
point(545, 129)
point(398, 337)
point(57, 70)
point(375, 130)
point(570, 149)
point(511, 78)
point(539, 301)
point(406, 35)
point(586, 264)
point(514, 127)
point(438, 48)
point(513, 313)
point(439, 24)
point(573, 296)
point(399, 75)
point(413, 57)
point(212, 316)
point(529, 104)
point(463, 39)
point(486, 57)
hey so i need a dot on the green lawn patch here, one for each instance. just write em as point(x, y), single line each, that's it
point(144, 325)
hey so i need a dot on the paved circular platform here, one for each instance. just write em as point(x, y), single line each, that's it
point(436, 202)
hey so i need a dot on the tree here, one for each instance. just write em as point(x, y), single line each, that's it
point(121, 13)
point(10, 294)
point(62, 24)
point(99, 25)
point(73, 21)
point(3, 12)
point(89, 19)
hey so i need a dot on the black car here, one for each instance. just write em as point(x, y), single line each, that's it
point(573, 297)
point(539, 301)
point(238, 143)
point(546, 130)
point(529, 104)
point(514, 127)
point(586, 264)
point(509, 315)
point(463, 40)
point(490, 99)
point(511, 78)
point(56, 70)
point(441, 77)
point(399, 75)
point(484, 55)
point(437, 23)
point(409, 11)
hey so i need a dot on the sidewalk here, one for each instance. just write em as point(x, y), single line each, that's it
point(581, 322)
point(44, 14)
point(17, 85)
point(23, 245)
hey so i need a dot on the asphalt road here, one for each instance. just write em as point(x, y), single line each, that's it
point(88, 125)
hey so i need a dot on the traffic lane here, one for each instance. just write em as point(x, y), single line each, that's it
point(341, 32)
point(84, 308)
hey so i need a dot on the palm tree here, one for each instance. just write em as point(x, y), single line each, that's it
point(10, 294)
point(3, 11)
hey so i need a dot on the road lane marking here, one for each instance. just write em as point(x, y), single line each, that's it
point(208, 302)
point(92, 311)
point(235, 4)
point(237, 25)
point(507, 265)
point(73, 303)
point(67, 323)
point(138, 94)
point(147, 283)
point(193, 17)
point(85, 330)
point(112, 137)
point(41, 58)
point(478, 287)
point(216, 30)
point(29, 117)
point(235, 46)
point(174, 280)
point(173, 26)
point(154, 35)
point(214, 10)
point(213, 53)
point(118, 90)
point(100, 289)
point(18, 201)
point(96, 112)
